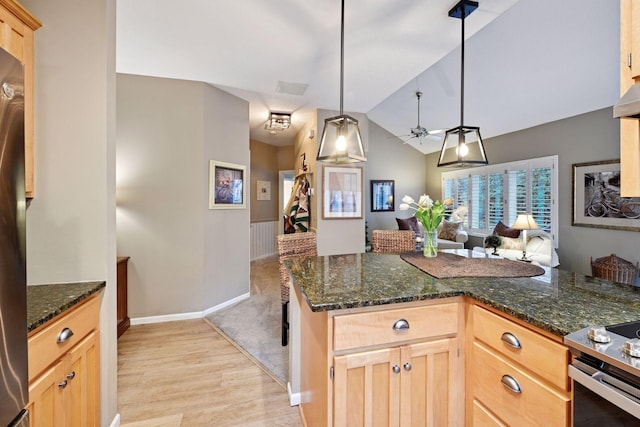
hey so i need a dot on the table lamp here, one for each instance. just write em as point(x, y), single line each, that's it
point(525, 222)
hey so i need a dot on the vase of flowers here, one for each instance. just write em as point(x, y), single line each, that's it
point(429, 214)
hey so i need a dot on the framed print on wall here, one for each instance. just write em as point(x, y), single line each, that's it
point(382, 194)
point(227, 183)
point(596, 198)
point(342, 192)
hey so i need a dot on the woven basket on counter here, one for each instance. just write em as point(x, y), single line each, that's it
point(615, 269)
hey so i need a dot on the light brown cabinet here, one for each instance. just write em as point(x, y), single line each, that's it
point(64, 369)
point(629, 128)
point(397, 365)
point(17, 27)
point(515, 375)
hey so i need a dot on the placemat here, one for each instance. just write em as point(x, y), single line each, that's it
point(447, 265)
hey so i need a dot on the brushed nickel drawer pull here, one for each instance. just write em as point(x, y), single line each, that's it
point(400, 325)
point(511, 340)
point(407, 366)
point(63, 384)
point(64, 335)
point(511, 384)
point(396, 369)
point(71, 375)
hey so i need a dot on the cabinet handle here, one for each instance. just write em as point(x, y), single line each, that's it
point(511, 384)
point(400, 325)
point(511, 340)
point(396, 369)
point(71, 375)
point(64, 335)
point(407, 366)
point(63, 384)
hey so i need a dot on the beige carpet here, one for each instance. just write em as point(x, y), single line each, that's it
point(254, 324)
point(447, 265)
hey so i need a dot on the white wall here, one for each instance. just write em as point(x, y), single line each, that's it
point(185, 258)
point(338, 236)
point(71, 220)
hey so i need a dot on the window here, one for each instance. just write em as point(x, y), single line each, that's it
point(500, 192)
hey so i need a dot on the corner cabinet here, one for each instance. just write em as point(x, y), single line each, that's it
point(64, 369)
point(392, 365)
point(629, 75)
point(17, 27)
point(515, 374)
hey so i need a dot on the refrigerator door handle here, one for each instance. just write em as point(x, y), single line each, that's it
point(21, 420)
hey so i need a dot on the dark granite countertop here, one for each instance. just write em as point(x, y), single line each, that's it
point(44, 302)
point(559, 301)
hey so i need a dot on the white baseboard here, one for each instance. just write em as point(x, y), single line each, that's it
point(225, 304)
point(116, 421)
point(187, 316)
point(294, 398)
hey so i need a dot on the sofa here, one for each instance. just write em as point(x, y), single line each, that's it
point(539, 246)
point(450, 234)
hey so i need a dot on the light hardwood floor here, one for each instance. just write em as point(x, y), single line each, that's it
point(186, 374)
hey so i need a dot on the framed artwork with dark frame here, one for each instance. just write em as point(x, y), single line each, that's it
point(596, 198)
point(342, 192)
point(227, 185)
point(382, 195)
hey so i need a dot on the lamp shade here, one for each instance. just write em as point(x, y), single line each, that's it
point(525, 222)
point(462, 146)
point(341, 141)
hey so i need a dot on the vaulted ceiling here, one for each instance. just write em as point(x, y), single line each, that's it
point(527, 61)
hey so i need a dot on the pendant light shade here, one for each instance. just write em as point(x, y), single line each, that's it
point(462, 145)
point(341, 141)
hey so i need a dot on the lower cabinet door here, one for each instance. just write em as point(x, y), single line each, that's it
point(366, 388)
point(429, 384)
point(46, 408)
point(84, 383)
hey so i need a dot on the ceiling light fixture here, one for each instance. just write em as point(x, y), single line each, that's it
point(341, 141)
point(462, 145)
point(278, 121)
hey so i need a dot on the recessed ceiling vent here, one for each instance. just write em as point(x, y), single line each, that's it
point(297, 89)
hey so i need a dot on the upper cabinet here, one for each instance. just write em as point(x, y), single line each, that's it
point(17, 26)
point(629, 75)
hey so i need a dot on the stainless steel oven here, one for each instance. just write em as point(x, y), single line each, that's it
point(605, 369)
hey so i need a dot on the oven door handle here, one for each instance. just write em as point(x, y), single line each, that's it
point(602, 385)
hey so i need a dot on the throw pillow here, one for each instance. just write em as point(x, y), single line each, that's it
point(448, 230)
point(410, 223)
point(511, 243)
point(505, 231)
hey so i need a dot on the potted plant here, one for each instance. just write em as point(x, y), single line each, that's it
point(493, 241)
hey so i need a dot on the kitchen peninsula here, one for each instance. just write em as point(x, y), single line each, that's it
point(380, 340)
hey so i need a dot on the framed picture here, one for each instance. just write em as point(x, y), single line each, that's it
point(596, 198)
point(342, 192)
point(382, 195)
point(227, 185)
point(263, 190)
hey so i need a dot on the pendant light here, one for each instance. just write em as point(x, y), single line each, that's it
point(341, 141)
point(462, 145)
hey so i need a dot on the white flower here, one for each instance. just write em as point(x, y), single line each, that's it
point(425, 202)
point(404, 207)
point(408, 200)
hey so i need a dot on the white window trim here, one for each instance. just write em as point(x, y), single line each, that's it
point(548, 161)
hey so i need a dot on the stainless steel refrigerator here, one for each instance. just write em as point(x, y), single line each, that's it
point(14, 391)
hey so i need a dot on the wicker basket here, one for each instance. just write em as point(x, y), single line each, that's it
point(393, 241)
point(615, 269)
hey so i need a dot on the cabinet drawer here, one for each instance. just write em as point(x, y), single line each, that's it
point(377, 327)
point(44, 348)
point(534, 403)
point(549, 359)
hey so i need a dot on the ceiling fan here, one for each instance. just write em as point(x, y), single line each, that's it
point(420, 132)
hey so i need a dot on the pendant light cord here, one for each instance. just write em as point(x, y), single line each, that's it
point(341, 57)
point(462, 68)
